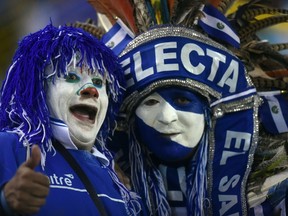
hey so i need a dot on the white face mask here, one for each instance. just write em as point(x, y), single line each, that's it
point(177, 115)
point(80, 100)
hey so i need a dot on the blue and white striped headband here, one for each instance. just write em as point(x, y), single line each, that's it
point(182, 57)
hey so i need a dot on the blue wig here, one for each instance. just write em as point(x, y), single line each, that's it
point(23, 108)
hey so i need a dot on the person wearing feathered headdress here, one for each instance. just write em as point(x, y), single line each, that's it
point(62, 89)
point(189, 122)
point(190, 109)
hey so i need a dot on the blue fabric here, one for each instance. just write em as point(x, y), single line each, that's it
point(274, 113)
point(216, 25)
point(117, 37)
point(176, 192)
point(182, 58)
point(232, 150)
point(67, 194)
point(278, 192)
point(265, 209)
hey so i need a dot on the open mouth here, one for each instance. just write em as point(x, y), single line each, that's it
point(84, 113)
point(169, 134)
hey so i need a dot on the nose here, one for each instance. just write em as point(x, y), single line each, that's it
point(167, 114)
point(89, 92)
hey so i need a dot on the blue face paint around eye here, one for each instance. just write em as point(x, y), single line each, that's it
point(72, 77)
point(97, 82)
point(182, 99)
point(162, 147)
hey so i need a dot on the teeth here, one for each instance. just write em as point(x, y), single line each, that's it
point(82, 114)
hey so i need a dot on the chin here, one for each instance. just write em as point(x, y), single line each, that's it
point(82, 130)
point(84, 143)
point(187, 143)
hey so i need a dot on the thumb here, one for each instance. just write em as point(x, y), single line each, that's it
point(35, 157)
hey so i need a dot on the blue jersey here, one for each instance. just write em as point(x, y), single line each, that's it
point(67, 195)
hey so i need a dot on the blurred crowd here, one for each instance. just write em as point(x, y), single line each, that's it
point(19, 18)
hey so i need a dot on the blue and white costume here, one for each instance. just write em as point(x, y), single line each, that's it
point(67, 194)
point(81, 67)
point(214, 181)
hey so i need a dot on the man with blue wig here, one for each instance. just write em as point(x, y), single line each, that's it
point(58, 101)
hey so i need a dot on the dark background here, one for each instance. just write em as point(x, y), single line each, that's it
point(21, 17)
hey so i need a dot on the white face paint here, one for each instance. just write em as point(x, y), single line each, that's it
point(80, 100)
point(175, 117)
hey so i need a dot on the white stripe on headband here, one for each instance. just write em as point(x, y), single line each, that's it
point(232, 97)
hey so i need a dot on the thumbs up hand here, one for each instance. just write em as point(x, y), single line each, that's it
point(26, 192)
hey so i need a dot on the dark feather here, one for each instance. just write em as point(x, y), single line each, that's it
point(142, 16)
point(224, 5)
point(252, 28)
point(186, 12)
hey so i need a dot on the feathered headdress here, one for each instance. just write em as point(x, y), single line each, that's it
point(140, 15)
point(247, 19)
point(265, 64)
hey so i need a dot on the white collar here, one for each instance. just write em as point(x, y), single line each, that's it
point(61, 133)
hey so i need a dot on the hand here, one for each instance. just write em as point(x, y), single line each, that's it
point(26, 192)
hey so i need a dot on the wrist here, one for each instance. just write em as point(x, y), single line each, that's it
point(4, 207)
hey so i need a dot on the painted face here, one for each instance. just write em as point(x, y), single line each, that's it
point(80, 100)
point(171, 123)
